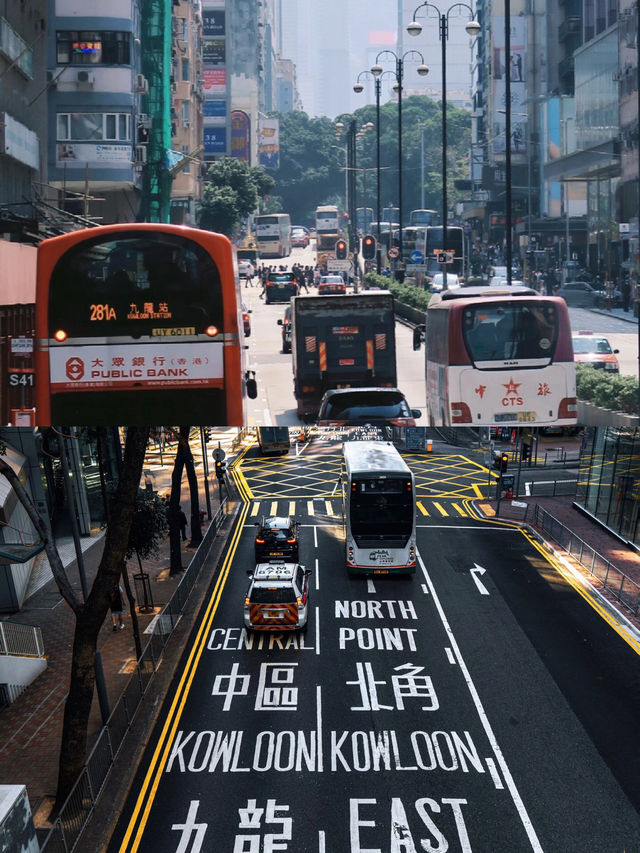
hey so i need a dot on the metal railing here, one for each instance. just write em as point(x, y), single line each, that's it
point(69, 825)
point(21, 640)
point(621, 586)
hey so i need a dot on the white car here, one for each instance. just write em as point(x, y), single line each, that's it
point(437, 282)
point(245, 269)
point(277, 598)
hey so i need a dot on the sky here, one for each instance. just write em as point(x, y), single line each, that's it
point(333, 41)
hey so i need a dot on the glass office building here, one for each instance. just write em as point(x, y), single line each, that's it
point(609, 479)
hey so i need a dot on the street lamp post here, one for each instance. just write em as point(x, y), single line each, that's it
point(414, 29)
point(357, 88)
point(351, 170)
point(377, 71)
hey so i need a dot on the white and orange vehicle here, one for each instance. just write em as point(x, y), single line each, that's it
point(277, 598)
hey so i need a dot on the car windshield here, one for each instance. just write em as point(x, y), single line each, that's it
point(588, 345)
point(376, 406)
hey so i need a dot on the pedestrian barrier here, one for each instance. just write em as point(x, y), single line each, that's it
point(621, 586)
point(66, 832)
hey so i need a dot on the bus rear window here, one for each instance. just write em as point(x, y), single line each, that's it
point(135, 285)
point(495, 331)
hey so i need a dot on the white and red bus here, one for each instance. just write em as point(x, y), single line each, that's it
point(499, 357)
point(378, 509)
point(137, 323)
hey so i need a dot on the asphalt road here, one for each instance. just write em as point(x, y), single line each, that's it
point(478, 705)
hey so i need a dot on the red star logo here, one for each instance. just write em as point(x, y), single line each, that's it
point(511, 386)
point(480, 390)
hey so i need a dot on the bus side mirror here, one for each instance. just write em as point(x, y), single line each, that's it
point(252, 385)
point(279, 321)
point(418, 336)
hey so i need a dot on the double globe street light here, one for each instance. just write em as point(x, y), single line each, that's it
point(377, 70)
point(414, 29)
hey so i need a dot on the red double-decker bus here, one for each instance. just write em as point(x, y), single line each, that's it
point(139, 324)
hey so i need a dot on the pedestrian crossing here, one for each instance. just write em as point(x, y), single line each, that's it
point(321, 508)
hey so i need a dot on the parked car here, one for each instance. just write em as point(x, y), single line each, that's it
point(246, 320)
point(277, 539)
point(299, 237)
point(285, 322)
point(329, 284)
point(277, 598)
point(596, 351)
point(580, 294)
point(375, 406)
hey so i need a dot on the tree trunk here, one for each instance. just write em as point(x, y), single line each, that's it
point(90, 616)
point(195, 527)
point(175, 550)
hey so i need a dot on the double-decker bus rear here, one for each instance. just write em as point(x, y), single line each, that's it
point(136, 323)
point(499, 357)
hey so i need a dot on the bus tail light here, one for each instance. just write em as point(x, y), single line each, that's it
point(60, 335)
point(292, 541)
point(460, 413)
point(247, 601)
point(260, 541)
point(412, 556)
point(212, 331)
point(568, 408)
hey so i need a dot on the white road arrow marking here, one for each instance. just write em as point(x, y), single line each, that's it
point(475, 571)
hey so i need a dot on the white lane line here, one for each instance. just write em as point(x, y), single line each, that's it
point(317, 630)
point(317, 575)
point(511, 785)
point(371, 589)
point(425, 588)
point(319, 726)
point(493, 770)
point(315, 535)
point(450, 655)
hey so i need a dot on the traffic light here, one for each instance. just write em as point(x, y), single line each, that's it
point(341, 250)
point(368, 247)
point(221, 469)
point(500, 462)
point(526, 450)
point(207, 435)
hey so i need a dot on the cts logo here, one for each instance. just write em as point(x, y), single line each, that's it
point(74, 368)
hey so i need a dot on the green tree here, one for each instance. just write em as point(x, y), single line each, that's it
point(230, 193)
point(90, 614)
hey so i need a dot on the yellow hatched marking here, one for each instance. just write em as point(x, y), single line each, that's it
point(329, 507)
point(292, 507)
point(476, 488)
point(421, 508)
point(255, 509)
point(440, 508)
point(310, 508)
point(274, 508)
point(459, 510)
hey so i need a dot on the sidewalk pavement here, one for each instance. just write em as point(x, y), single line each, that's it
point(619, 313)
point(30, 728)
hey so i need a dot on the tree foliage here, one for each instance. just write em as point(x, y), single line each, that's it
point(312, 160)
point(230, 193)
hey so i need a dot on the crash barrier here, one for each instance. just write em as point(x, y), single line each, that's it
point(621, 586)
point(66, 832)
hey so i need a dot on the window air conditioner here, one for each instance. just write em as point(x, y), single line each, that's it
point(142, 85)
point(85, 77)
point(186, 123)
point(141, 154)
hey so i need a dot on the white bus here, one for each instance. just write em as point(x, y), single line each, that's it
point(378, 509)
point(273, 234)
point(327, 220)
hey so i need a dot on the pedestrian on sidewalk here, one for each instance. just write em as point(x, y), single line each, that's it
point(117, 608)
point(182, 520)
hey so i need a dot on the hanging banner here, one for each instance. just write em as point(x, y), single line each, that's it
point(240, 135)
point(269, 143)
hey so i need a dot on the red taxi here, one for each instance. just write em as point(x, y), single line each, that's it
point(331, 284)
point(595, 350)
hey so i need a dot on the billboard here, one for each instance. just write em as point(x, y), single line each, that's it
point(240, 136)
point(269, 143)
point(215, 140)
point(517, 67)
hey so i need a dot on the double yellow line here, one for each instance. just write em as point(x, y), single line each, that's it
point(142, 809)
